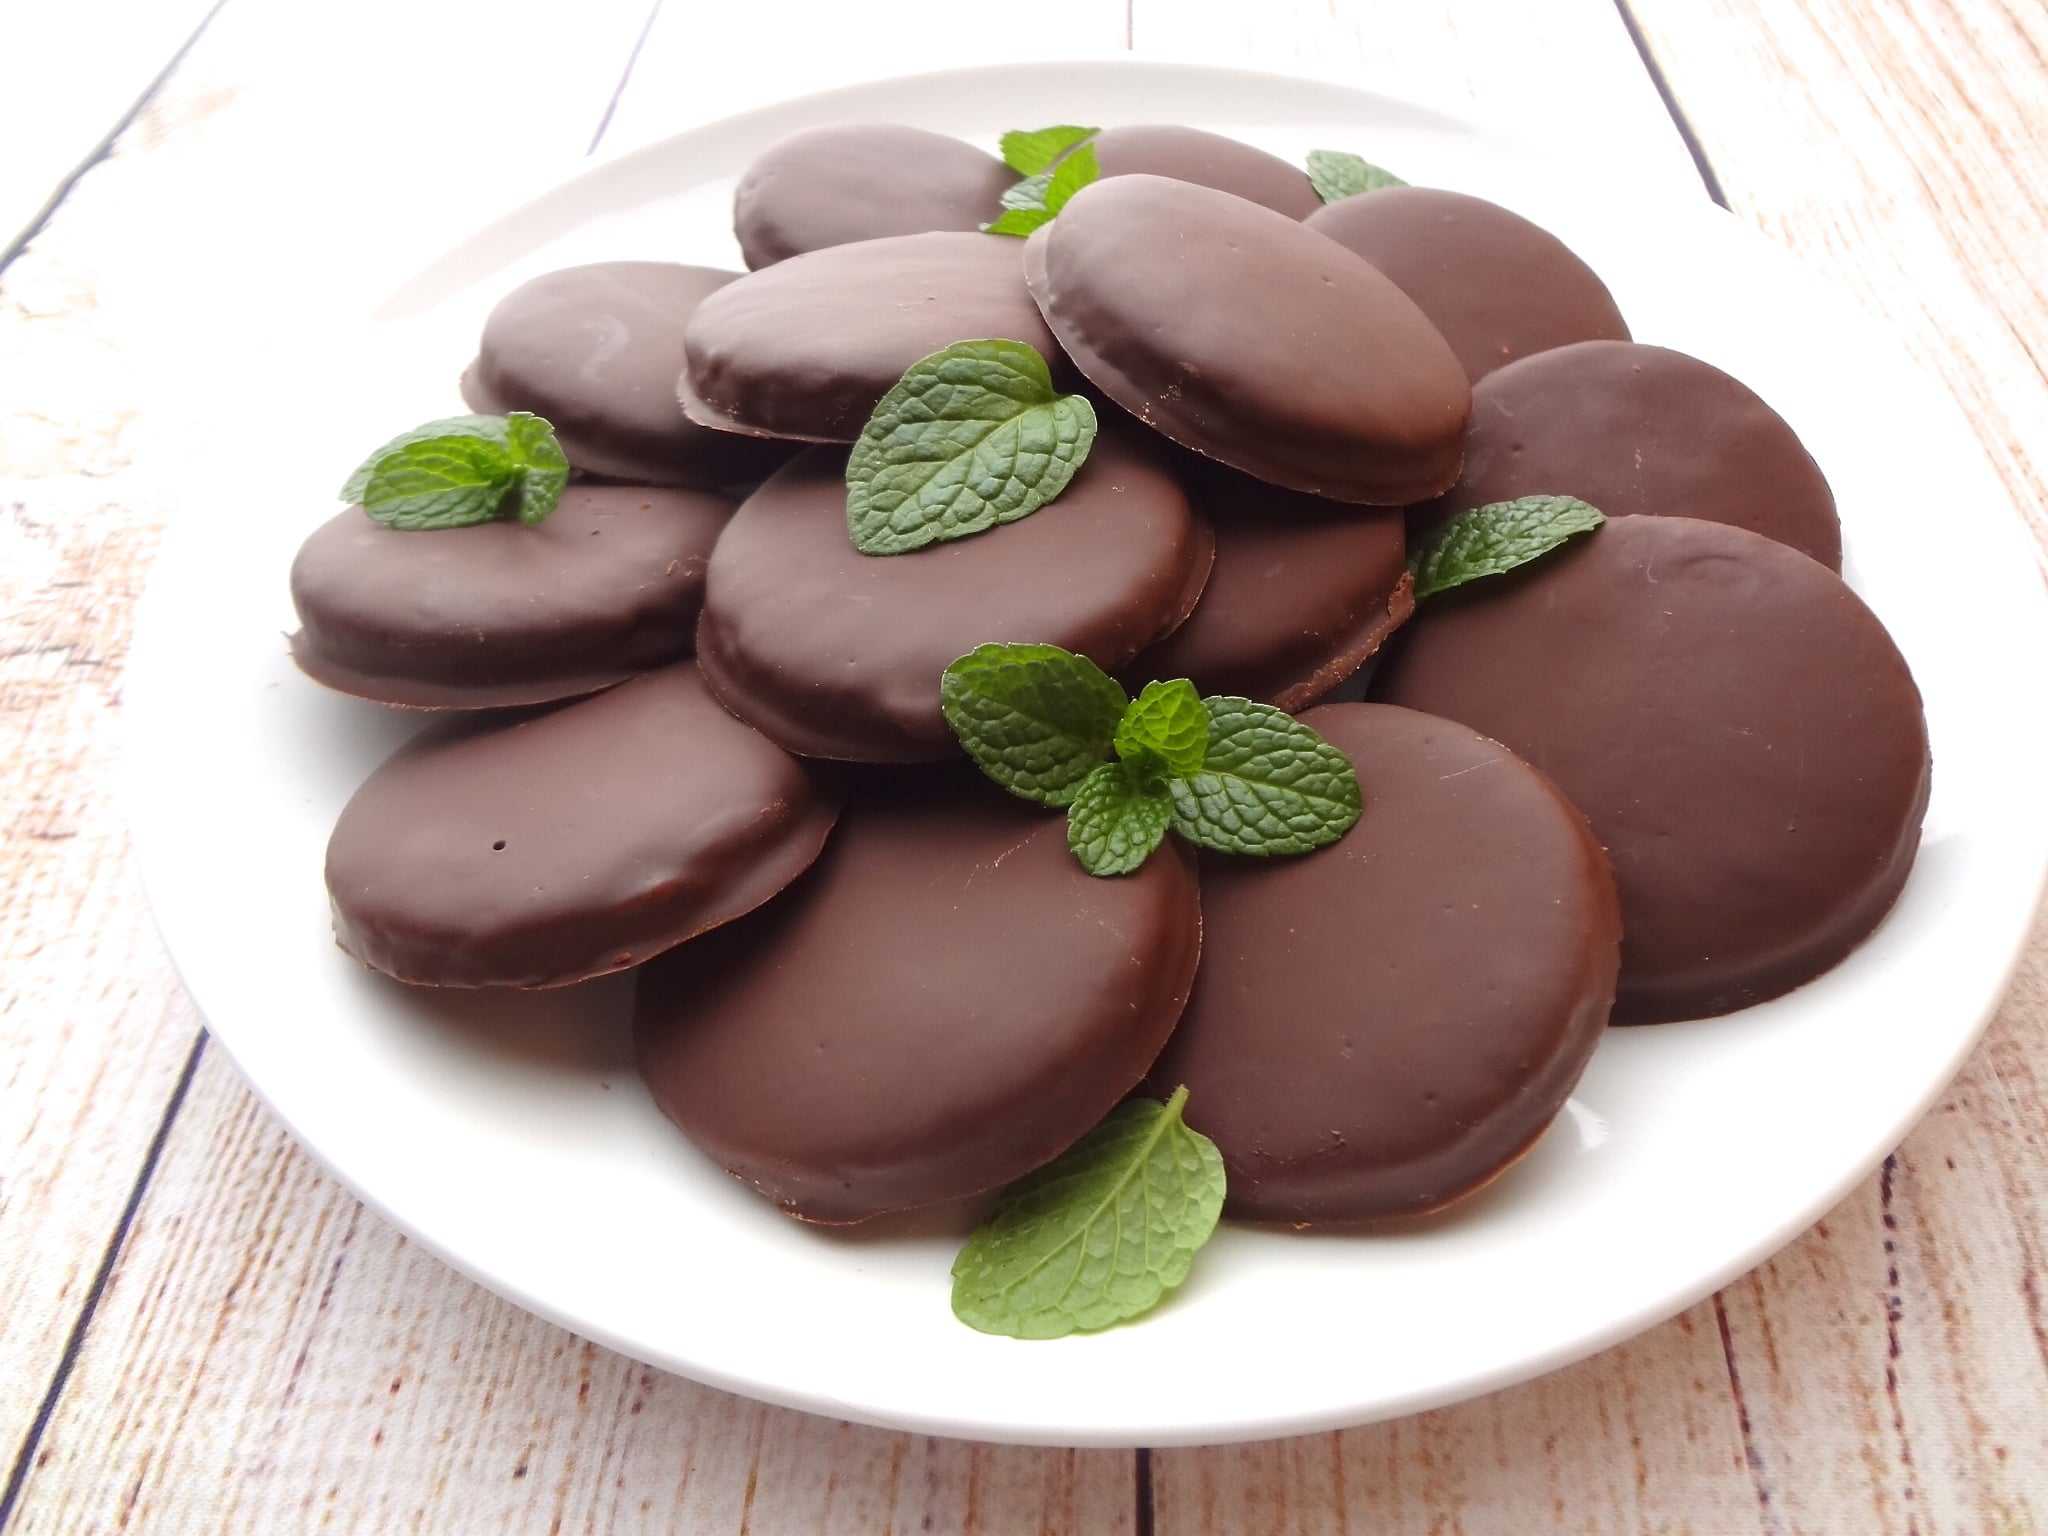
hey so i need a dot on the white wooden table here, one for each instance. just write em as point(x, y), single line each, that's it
point(199, 1331)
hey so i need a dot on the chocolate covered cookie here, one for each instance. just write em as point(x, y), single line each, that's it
point(499, 613)
point(572, 843)
point(838, 654)
point(1251, 339)
point(596, 350)
point(1302, 593)
point(947, 1002)
point(804, 349)
point(862, 181)
point(1738, 727)
point(1207, 160)
point(1636, 429)
point(1383, 1026)
point(1496, 285)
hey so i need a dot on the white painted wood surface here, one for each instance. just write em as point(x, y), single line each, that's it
point(266, 1356)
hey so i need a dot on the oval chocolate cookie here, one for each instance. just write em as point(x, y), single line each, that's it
point(499, 613)
point(1251, 339)
point(1302, 594)
point(1739, 729)
point(596, 350)
point(1636, 429)
point(806, 347)
point(1384, 1025)
point(569, 844)
point(862, 181)
point(838, 654)
point(1496, 285)
point(1207, 160)
point(947, 1002)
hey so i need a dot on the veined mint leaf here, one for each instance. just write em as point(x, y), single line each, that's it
point(1036, 199)
point(1168, 721)
point(1269, 784)
point(1035, 718)
point(1027, 151)
point(1118, 816)
point(1017, 221)
point(464, 470)
point(453, 426)
point(972, 436)
point(1100, 1234)
point(544, 468)
point(1028, 193)
point(1338, 174)
point(1495, 538)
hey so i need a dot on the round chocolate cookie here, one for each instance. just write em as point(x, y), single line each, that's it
point(838, 654)
point(1740, 730)
point(1303, 592)
point(499, 613)
point(596, 350)
point(572, 843)
point(1496, 285)
point(1207, 160)
point(806, 347)
point(1383, 1026)
point(1637, 429)
point(947, 1002)
point(862, 181)
point(1251, 339)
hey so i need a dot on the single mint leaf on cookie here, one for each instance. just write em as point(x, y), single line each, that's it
point(543, 467)
point(1495, 538)
point(1337, 174)
point(1118, 816)
point(462, 470)
point(1027, 151)
point(1168, 721)
point(1099, 1235)
point(491, 427)
point(1268, 785)
point(1036, 719)
point(972, 436)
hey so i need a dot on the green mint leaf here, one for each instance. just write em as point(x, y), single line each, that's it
point(1495, 538)
point(1027, 151)
point(1118, 816)
point(1016, 221)
point(1100, 1234)
point(1035, 718)
point(463, 470)
point(1166, 721)
point(970, 437)
point(453, 426)
point(1070, 176)
point(544, 468)
point(1337, 174)
point(1036, 199)
point(1028, 194)
point(1269, 784)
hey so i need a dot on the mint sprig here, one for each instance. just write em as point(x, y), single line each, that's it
point(1038, 198)
point(1099, 1235)
point(972, 436)
point(463, 470)
point(1027, 151)
point(1224, 772)
point(1337, 174)
point(1496, 538)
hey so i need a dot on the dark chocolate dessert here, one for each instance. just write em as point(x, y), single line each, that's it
point(1207, 160)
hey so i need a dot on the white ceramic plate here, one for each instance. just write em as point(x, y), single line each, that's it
point(509, 1135)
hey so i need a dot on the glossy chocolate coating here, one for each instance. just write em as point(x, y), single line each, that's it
point(947, 1002)
point(804, 349)
point(1740, 730)
point(1251, 339)
point(572, 843)
point(1383, 1025)
point(596, 350)
point(1637, 429)
point(499, 613)
point(1302, 594)
point(1207, 160)
point(1496, 285)
point(862, 181)
point(838, 654)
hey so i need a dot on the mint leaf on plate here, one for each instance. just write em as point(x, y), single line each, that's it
point(1496, 538)
point(972, 436)
point(1027, 151)
point(1337, 174)
point(1099, 1235)
point(463, 470)
point(1168, 721)
point(1118, 817)
point(1035, 718)
point(1268, 785)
